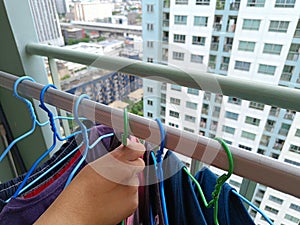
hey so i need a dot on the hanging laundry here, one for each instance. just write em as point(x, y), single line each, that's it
point(231, 209)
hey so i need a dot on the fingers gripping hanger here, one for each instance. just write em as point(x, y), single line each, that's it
point(84, 131)
point(220, 181)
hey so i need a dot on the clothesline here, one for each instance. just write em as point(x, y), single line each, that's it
point(264, 170)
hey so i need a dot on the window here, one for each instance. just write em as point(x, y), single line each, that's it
point(181, 20)
point(272, 210)
point(196, 58)
point(294, 148)
point(179, 38)
point(256, 3)
point(150, 26)
point(202, 2)
point(200, 21)
point(178, 56)
point(248, 135)
point(174, 114)
point(256, 105)
point(150, 44)
point(275, 199)
point(150, 60)
point(245, 147)
point(278, 26)
point(175, 101)
point(197, 40)
point(193, 91)
point(272, 49)
point(252, 121)
point(150, 7)
point(249, 24)
point(234, 100)
point(173, 125)
point(240, 65)
point(189, 130)
point(295, 207)
point(149, 102)
point(285, 3)
point(231, 115)
point(266, 69)
point(247, 46)
point(291, 218)
point(149, 89)
point(228, 129)
point(292, 162)
point(190, 118)
point(191, 105)
point(297, 133)
point(150, 115)
point(181, 2)
point(175, 87)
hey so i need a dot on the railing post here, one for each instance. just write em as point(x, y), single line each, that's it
point(56, 82)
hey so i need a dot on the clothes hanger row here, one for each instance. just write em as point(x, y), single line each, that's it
point(142, 127)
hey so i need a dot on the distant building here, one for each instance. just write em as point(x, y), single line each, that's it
point(92, 11)
point(72, 33)
point(46, 22)
point(61, 7)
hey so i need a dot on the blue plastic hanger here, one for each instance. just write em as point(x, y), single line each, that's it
point(85, 138)
point(32, 115)
point(160, 175)
point(54, 137)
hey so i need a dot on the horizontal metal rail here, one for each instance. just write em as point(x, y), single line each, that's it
point(282, 97)
point(264, 170)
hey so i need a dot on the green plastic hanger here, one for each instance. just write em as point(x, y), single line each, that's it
point(125, 134)
point(220, 181)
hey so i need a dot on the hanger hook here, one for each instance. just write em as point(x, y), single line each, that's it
point(26, 101)
point(160, 152)
point(125, 134)
point(44, 107)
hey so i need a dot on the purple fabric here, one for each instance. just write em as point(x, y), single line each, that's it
point(22, 211)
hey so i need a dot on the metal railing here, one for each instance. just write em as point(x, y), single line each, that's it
point(282, 97)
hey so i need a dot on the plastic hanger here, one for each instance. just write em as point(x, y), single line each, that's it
point(32, 115)
point(219, 186)
point(85, 138)
point(54, 137)
point(220, 181)
point(253, 206)
point(160, 175)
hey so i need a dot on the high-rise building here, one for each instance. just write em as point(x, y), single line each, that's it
point(248, 39)
point(61, 6)
point(46, 22)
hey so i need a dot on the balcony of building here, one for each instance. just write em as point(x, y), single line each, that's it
point(289, 115)
point(207, 96)
point(235, 5)
point(166, 4)
point(214, 46)
point(166, 20)
point(220, 4)
point(165, 37)
point(274, 111)
point(297, 30)
point(205, 108)
point(278, 144)
point(294, 51)
point(286, 76)
point(217, 23)
point(203, 122)
point(231, 24)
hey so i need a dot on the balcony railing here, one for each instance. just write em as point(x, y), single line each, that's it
point(224, 66)
point(286, 76)
point(283, 132)
point(229, 86)
point(214, 46)
point(204, 111)
point(227, 48)
point(217, 27)
point(165, 39)
point(166, 23)
point(235, 6)
point(297, 33)
point(211, 65)
point(293, 56)
point(269, 128)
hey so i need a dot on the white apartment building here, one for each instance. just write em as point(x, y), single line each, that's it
point(46, 21)
point(258, 40)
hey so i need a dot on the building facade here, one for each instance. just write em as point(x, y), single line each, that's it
point(46, 21)
point(248, 39)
